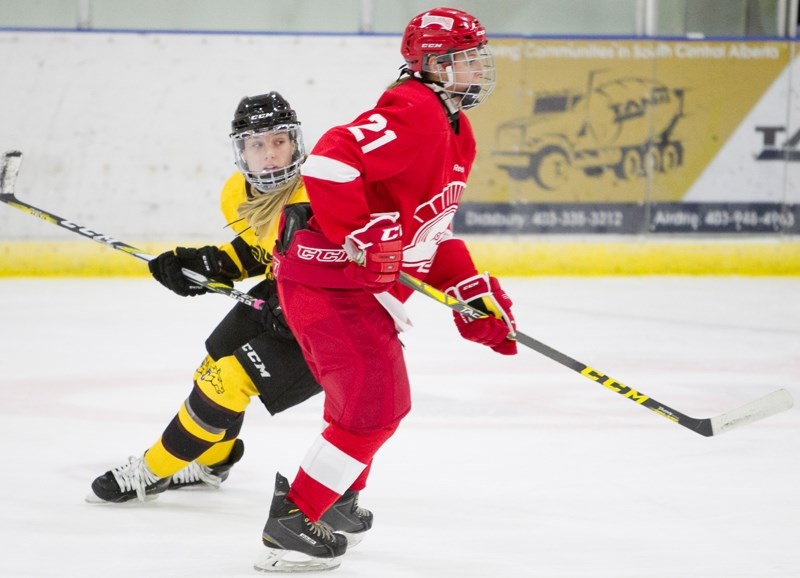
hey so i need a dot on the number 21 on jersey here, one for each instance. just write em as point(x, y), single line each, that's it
point(376, 127)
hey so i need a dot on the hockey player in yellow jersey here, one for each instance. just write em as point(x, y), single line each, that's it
point(251, 352)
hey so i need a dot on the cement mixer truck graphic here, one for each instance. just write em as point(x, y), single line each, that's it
point(624, 125)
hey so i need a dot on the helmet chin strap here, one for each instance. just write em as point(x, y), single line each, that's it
point(440, 89)
point(451, 77)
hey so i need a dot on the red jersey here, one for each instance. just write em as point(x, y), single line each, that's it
point(403, 156)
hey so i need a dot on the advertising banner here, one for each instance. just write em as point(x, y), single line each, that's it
point(630, 137)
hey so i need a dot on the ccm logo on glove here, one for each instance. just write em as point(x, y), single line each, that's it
point(376, 253)
point(392, 233)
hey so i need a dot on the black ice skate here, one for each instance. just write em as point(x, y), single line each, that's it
point(199, 475)
point(346, 517)
point(292, 542)
point(130, 481)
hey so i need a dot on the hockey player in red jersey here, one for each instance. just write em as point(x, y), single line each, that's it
point(383, 192)
point(250, 353)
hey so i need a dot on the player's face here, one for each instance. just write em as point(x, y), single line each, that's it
point(268, 151)
point(467, 70)
point(461, 72)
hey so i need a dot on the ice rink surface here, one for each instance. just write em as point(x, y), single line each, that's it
point(506, 467)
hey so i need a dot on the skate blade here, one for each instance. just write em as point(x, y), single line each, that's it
point(286, 561)
point(92, 498)
point(201, 487)
point(353, 539)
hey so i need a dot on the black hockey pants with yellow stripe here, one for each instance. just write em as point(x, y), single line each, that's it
point(245, 359)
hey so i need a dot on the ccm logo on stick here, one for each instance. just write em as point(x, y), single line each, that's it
point(614, 385)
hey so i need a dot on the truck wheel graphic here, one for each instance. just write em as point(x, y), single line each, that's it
point(630, 167)
point(670, 158)
point(652, 160)
point(551, 168)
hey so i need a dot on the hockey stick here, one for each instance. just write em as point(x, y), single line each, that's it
point(8, 178)
point(775, 402)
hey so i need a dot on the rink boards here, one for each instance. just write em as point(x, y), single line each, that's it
point(529, 256)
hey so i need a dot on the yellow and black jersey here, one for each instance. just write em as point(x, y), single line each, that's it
point(251, 253)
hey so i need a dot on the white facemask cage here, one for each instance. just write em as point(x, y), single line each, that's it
point(267, 181)
point(471, 59)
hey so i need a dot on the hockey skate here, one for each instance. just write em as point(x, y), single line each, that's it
point(199, 475)
point(348, 518)
point(292, 542)
point(130, 481)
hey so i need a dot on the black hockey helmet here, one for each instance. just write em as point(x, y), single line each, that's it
point(255, 118)
point(262, 111)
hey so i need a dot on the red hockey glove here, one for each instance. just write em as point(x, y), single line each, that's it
point(483, 292)
point(376, 253)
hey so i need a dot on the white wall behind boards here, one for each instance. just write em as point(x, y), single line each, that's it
point(128, 133)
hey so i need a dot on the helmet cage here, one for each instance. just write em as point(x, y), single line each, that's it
point(455, 71)
point(269, 180)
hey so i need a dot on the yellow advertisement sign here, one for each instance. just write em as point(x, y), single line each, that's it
point(612, 121)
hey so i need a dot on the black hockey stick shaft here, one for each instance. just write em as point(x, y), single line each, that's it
point(773, 403)
point(8, 176)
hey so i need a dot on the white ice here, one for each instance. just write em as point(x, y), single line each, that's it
point(505, 467)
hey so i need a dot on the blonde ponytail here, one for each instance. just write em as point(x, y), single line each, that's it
point(262, 210)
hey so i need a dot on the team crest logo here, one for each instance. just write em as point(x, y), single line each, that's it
point(211, 374)
point(435, 216)
point(261, 255)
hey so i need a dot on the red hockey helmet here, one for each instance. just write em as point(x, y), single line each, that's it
point(440, 31)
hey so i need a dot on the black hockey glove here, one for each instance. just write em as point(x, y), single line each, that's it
point(272, 314)
point(208, 261)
